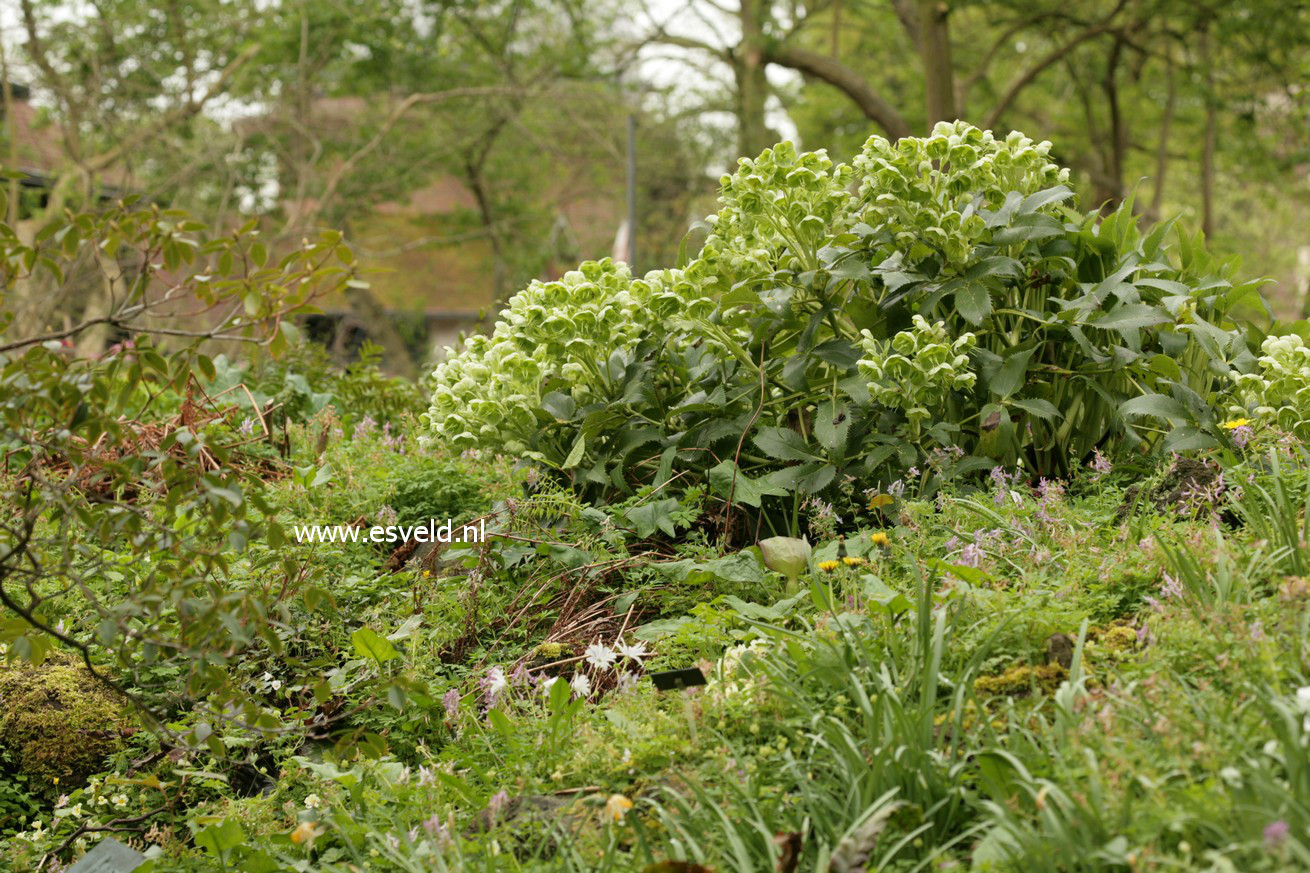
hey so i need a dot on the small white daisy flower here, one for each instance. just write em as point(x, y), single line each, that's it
point(581, 685)
point(600, 656)
point(636, 651)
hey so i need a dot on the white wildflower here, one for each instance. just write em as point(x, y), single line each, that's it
point(600, 656)
point(496, 681)
point(636, 651)
point(581, 685)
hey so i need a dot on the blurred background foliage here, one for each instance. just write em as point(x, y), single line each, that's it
point(465, 147)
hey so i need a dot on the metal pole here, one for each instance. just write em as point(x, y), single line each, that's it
point(632, 191)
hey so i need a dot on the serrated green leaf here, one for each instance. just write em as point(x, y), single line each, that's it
point(1012, 374)
point(1130, 316)
point(783, 444)
point(1156, 406)
point(832, 427)
point(1043, 409)
point(575, 455)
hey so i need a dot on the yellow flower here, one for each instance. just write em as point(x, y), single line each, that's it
point(1236, 423)
point(851, 561)
point(305, 832)
point(829, 566)
point(617, 807)
point(878, 538)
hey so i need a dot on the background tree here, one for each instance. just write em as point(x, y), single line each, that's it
point(325, 111)
point(1200, 100)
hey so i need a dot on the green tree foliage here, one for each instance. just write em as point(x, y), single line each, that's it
point(313, 115)
point(1191, 106)
point(120, 505)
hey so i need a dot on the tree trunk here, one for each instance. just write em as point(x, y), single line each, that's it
point(99, 302)
point(1208, 143)
point(474, 165)
point(499, 276)
point(1162, 154)
point(935, 55)
point(1111, 187)
point(11, 134)
point(749, 69)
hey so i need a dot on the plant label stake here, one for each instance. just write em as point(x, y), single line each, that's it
point(678, 680)
point(681, 680)
point(109, 856)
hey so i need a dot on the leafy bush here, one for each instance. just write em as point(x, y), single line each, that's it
point(443, 493)
point(126, 528)
point(955, 312)
point(303, 382)
point(919, 368)
point(927, 193)
point(577, 334)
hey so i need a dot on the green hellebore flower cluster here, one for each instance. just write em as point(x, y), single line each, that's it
point(485, 392)
point(918, 368)
point(928, 190)
point(774, 206)
point(1280, 391)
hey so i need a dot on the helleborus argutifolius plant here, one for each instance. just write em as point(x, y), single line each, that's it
point(564, 331)
point(930, 192)
point(1279, 390)
point(918, 369)
point(777, 211)
point(938, 302)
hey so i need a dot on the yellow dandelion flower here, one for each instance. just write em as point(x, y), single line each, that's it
point(1236, 423)
point(851, 561)
point(829, 566)
point(880, 539)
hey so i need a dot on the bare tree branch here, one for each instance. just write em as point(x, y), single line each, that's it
point(980, 71)
point(1028, 76)
point(347, 166)
point(827, 69)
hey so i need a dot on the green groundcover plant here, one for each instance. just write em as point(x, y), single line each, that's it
point(933, 310)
